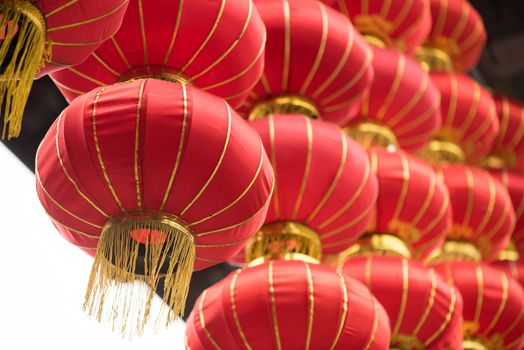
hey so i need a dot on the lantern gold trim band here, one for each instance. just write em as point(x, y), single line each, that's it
point(510, 253)
point(22, 53)
point(135, 251)
point(284, 104)
point(284, 240)
point(433, 58)
point(438, 151)
point(377, 243)
point(369, 133)
point(499, 160)
point(154, 72)
point(473, 344)
point(456, 250)
point(374, 40)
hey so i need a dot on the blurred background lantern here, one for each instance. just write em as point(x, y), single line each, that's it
point(412, 213)
point(324, 193)
point(159, 178)
point(402, 107)
point(411, 219)
point(456, 39)
point(316, 63)
point(287, 305)
point(483, 216)
point(493, 307)
point(424, 311)
point(42, 36)
point(469, 120)
point(508, 149)
point(222, 52)
point(402, 24)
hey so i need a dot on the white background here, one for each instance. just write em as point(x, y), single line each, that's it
point(43, 279)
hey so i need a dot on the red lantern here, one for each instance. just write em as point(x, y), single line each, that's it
point(508, 150)
point(325, 189)
point(44, 36)
point(412, 204)
point(482, 211)
point(514, 184)
point(469, 120)
point(155, 176)
point(287, 305)
point(215, 45)
point(493, 305)
point(457, 36)
point(402, 107)
point(424, 311)
point(400, 24)
point(316, 63)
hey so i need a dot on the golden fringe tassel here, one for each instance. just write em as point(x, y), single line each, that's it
point(22, 53)
point(115, 277)
point(284, 241)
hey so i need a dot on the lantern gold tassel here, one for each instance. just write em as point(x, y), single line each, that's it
point(22, 53)
point(134, 254)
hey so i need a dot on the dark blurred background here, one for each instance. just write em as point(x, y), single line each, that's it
point(501, 68)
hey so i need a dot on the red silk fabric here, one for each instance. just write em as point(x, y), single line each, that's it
point(424, 311)
point(315, 52)
point(412, 203)
point(287, 305)
point(493, 303)
point(514, 184)
point(482, 209)
point(510, 140)
point(457, 30)
point(217, 45)
point(76, 28)
point(151, 144)
point(402, 24)
point(469, 117)
point(402, 98)
point(323, 179)
point(514, 269)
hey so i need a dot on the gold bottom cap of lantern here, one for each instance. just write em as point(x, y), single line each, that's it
point(456, 250)
point(510, 253)
point(471, 343)
point(371, 243)
point(286, 240)
point(370, 134)
point(137, 251)
point(439, 151)
point(22, 53)
point(284, 104)
point(432, 58)
point(154, 72)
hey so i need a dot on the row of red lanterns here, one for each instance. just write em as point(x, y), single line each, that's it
point(153, 171)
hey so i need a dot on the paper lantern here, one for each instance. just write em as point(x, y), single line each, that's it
point(508, 149)
point(402, 107)
point(397, 24)
point(424, 311)
point(316, 63)
point(412, 206)
point(493, 307)
point(216, 45)
point(42, 36)
point(482, 212)
point(160, 178)
point(325, 190)
point(469, 120)
point(457, 36)
point(287, 305)
point(514, 184)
